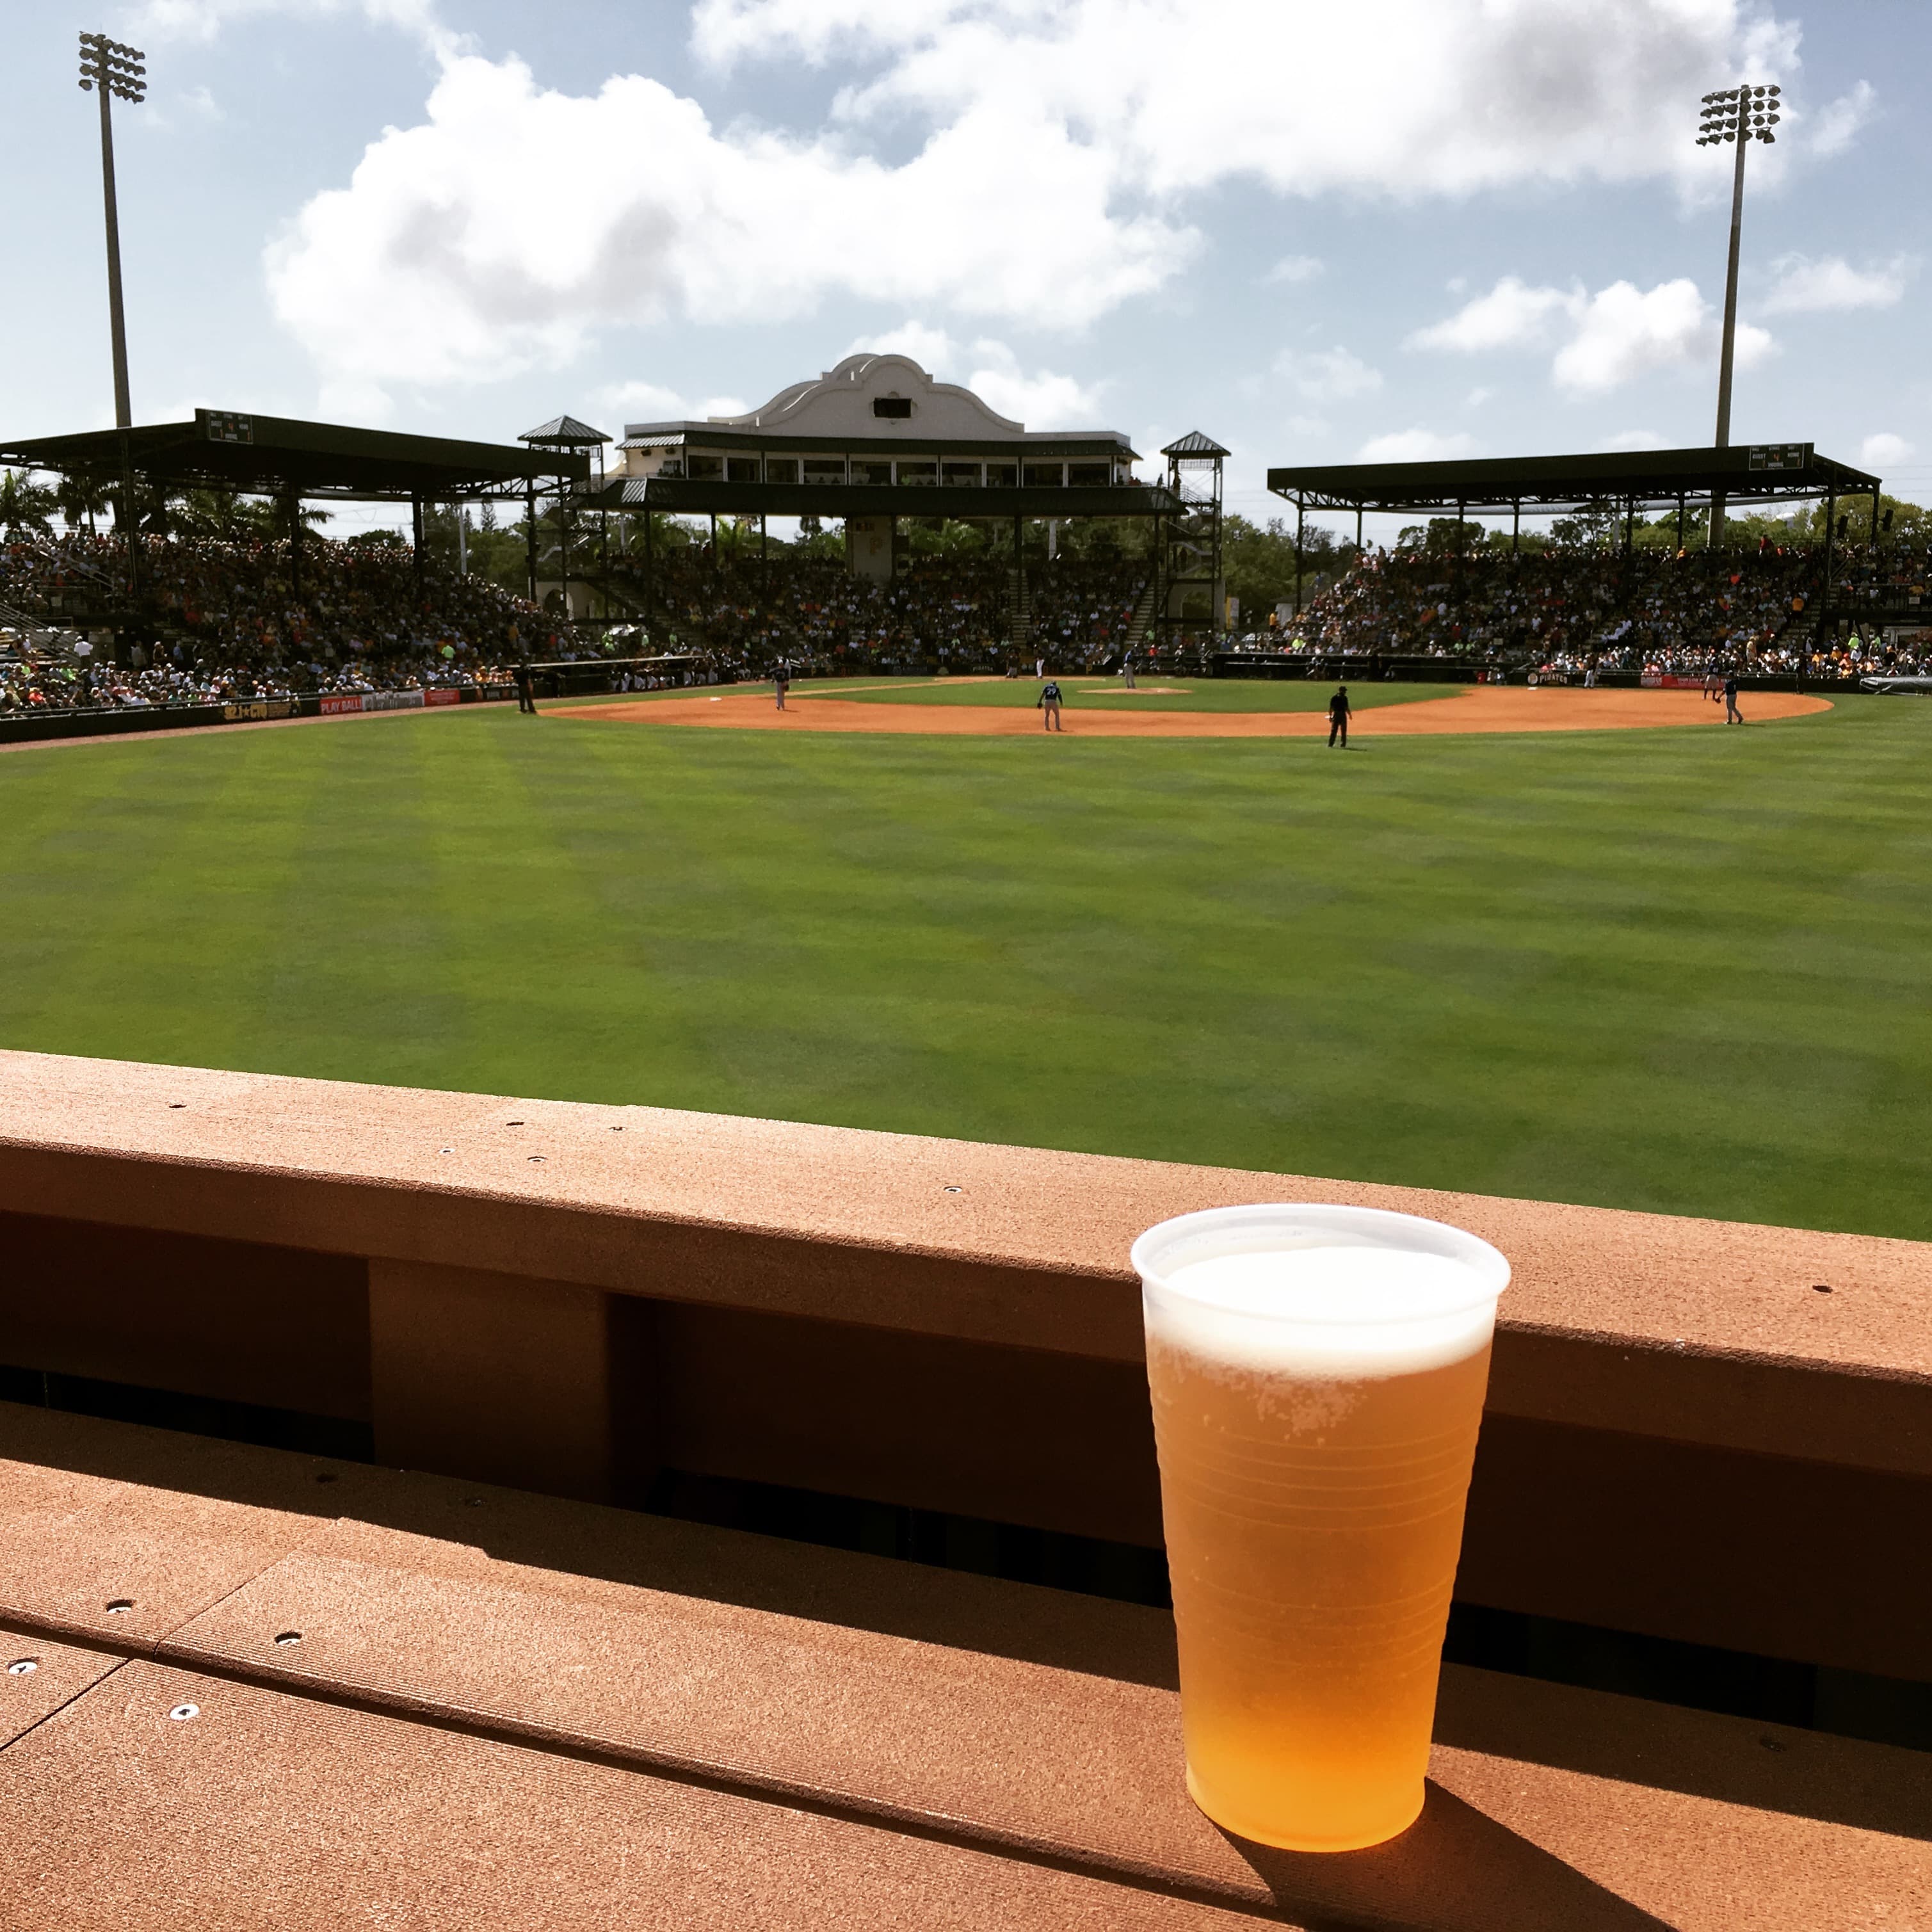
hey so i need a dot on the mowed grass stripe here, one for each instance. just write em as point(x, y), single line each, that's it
point(1676, 969)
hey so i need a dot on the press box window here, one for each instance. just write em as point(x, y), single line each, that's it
point(781, 469)
point(1080, 473)
point(1043, 476)
point(924, 470)
point(870, 472)
point(705, 469)
point(999, 476)
point(892, 406)
point(741, 469)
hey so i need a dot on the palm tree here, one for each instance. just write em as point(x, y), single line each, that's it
point(82, 494)
point(26, 507)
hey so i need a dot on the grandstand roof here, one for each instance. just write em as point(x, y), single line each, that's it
point(565, 432)
point(881, 405)
point(1764, 471)
point(224, 449)
point(676, 494)
point(1194, 443)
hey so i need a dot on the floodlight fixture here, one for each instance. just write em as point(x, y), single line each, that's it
point(1740, 115)
point(115, 71)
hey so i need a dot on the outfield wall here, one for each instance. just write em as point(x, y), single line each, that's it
point(100, 721)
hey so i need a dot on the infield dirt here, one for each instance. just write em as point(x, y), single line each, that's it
point(1484, 708)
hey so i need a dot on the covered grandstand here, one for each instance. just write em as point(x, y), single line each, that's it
point(295, 462)
point(878, 443)
point(1628, 480)
point(1609, 605)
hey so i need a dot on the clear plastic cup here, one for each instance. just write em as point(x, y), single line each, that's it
point(1317, 1375)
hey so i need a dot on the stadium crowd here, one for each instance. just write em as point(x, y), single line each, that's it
point(810, 611)
point(1564, 612)
point(231, 622)
point(1547, 605)
point(955, 612)
point(1083, 611)
point(228, 622)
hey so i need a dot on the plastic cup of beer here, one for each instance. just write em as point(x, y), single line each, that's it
point(1317, 1375)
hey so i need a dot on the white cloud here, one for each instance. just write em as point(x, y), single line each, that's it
point(515, 221)
point(1041, 155)
point(1296, 268)
point(1623, 332)
point(1603, 341)
point(1328, 375)
point(1041, 400)
point(1478, 396)
point(1885, 450)
point(652, 402)
point(204, 20)
point(1417, 446)
point(932, 349)
point(1838, 122)
point(1636, 439)
point(1417, 96)
point(1308, 425)
point(1512, 314)
point(1805, 285)
point(644, 402)
point(991, 370)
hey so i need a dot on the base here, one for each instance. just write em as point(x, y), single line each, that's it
point(1246, 1829)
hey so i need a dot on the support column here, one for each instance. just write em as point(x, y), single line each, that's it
point(295, 545)
point(1301, 520)
point(563, 542)
point(1830, 538)
point(497, 1377)
point(1680, 520)
point(1516, 527)
point(1358, 529)
point(530, 532)
point(416, 533)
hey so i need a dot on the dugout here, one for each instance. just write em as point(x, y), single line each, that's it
point(1630, 480)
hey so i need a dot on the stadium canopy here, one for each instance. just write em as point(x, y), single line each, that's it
point(1755, 472)
point(222, 449)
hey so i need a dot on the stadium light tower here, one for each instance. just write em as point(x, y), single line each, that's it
point(1741, 115)
point(115, 73)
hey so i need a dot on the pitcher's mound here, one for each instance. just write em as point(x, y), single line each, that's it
point(1487, 707)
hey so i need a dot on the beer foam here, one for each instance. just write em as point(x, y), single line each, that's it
point(1352, 1309)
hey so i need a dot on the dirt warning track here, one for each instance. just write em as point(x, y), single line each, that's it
point(1483, 708)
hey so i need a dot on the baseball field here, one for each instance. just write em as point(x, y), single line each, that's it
point(1672, 968)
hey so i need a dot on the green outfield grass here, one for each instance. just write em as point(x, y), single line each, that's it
point(1682, 970)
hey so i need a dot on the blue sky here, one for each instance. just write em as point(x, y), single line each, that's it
point(1402, 227)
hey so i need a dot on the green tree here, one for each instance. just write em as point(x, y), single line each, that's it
point(1443, 536)
point(82, 495)
point(1258, 561)
point(26, 507)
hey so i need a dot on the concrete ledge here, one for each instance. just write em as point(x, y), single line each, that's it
point(1702, 1332)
